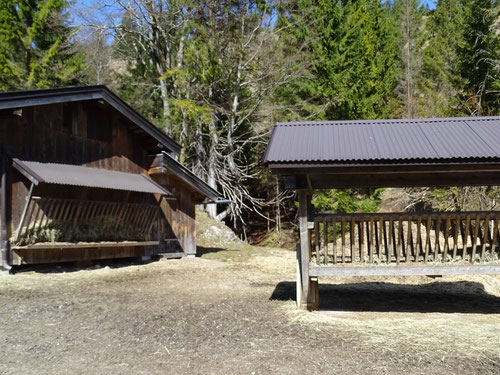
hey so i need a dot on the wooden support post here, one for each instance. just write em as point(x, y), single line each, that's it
point(466, 237)
point(313, 303)
point(325, 241)
point(4, 228)
point(485, 238)
point(25, 210)
point(335, 241)
point(304, 200)
point(494, 237)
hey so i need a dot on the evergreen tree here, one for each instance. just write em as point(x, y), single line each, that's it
point(409, 17)
point(35, 45)
point(479, 57)
point(439, 77)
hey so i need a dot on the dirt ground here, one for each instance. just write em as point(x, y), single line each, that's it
point(232, 312)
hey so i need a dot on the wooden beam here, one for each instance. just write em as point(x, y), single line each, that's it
point(404, 270)
point(4, 228)
point(304, 200)
point(84, 245)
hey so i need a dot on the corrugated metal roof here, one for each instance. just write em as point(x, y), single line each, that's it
point(188, 176)
point(384, 140)
point(65, 174)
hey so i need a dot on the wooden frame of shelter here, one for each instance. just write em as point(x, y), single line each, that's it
point(389, 153)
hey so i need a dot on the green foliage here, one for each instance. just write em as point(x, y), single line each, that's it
point(347, 200)
point(35, 45)
point(479, 57)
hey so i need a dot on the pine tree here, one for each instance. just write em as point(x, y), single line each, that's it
point(439, 77)
point(479, 57)
point(409, 16)
point(35, 45)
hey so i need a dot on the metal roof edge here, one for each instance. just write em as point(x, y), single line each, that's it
point(190, 178)
point(269, 144)
point(21, 99)
point(412, 120)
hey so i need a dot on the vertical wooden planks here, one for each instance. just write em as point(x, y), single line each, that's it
point(371, 243)
point(485, 236)
point(391, 236)
point(474, 238)
point(409, 239)
point(437, 231)
point(343, 238)
point(466, 236)
point(325, 240)
point(446, 237)
point(334, 224)
point(494, 237)
point(455, 237)
point(361, 239)
point(400, 240)
point(316, 242)
point(352, 239)
point(428, 229)
point(418, 244)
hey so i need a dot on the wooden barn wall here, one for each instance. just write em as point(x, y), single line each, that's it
point(47, 134)
point(180, 214)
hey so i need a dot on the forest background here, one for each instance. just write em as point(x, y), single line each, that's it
point(216, 75)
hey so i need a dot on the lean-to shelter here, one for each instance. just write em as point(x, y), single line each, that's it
point(433, 152)
point(84, 176)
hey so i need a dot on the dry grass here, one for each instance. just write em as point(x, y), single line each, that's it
point(232, 311)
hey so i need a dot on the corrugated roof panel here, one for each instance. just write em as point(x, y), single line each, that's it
point(65, 174)
point(489, 131)
point(385, 140)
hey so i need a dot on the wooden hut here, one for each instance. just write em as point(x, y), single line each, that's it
point(389, 153)
point(84, 176)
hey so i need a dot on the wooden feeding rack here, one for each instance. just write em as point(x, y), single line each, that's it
point(133, 219)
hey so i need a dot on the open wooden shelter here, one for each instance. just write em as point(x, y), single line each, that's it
point(84, 176)
point(389, 153)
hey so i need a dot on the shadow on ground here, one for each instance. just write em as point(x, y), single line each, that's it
point(82, 265)
point(202, 250)
point(438, 297)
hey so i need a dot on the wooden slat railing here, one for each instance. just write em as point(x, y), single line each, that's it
point(405, 238)
point(136, 218)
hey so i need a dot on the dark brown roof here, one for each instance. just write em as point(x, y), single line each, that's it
point(65, 174)
point(164, 160)
point(21, 99)
point(385, 141)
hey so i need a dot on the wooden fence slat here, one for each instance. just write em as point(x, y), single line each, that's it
point(370, 242)
point(494, 237)
point(391, 237)
point(455, 238)
point(334, 227)
point(446, 238)
point(466, 236)
point(325, 235)
point(343, 239)
point(437, 231)
point(474, 239)
point(316, 242)
point(485, 240)
point(352, 240)
point(400, 240)
point(418, 245)
point(361, 240)
point(428, 229)
point(409, 240)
